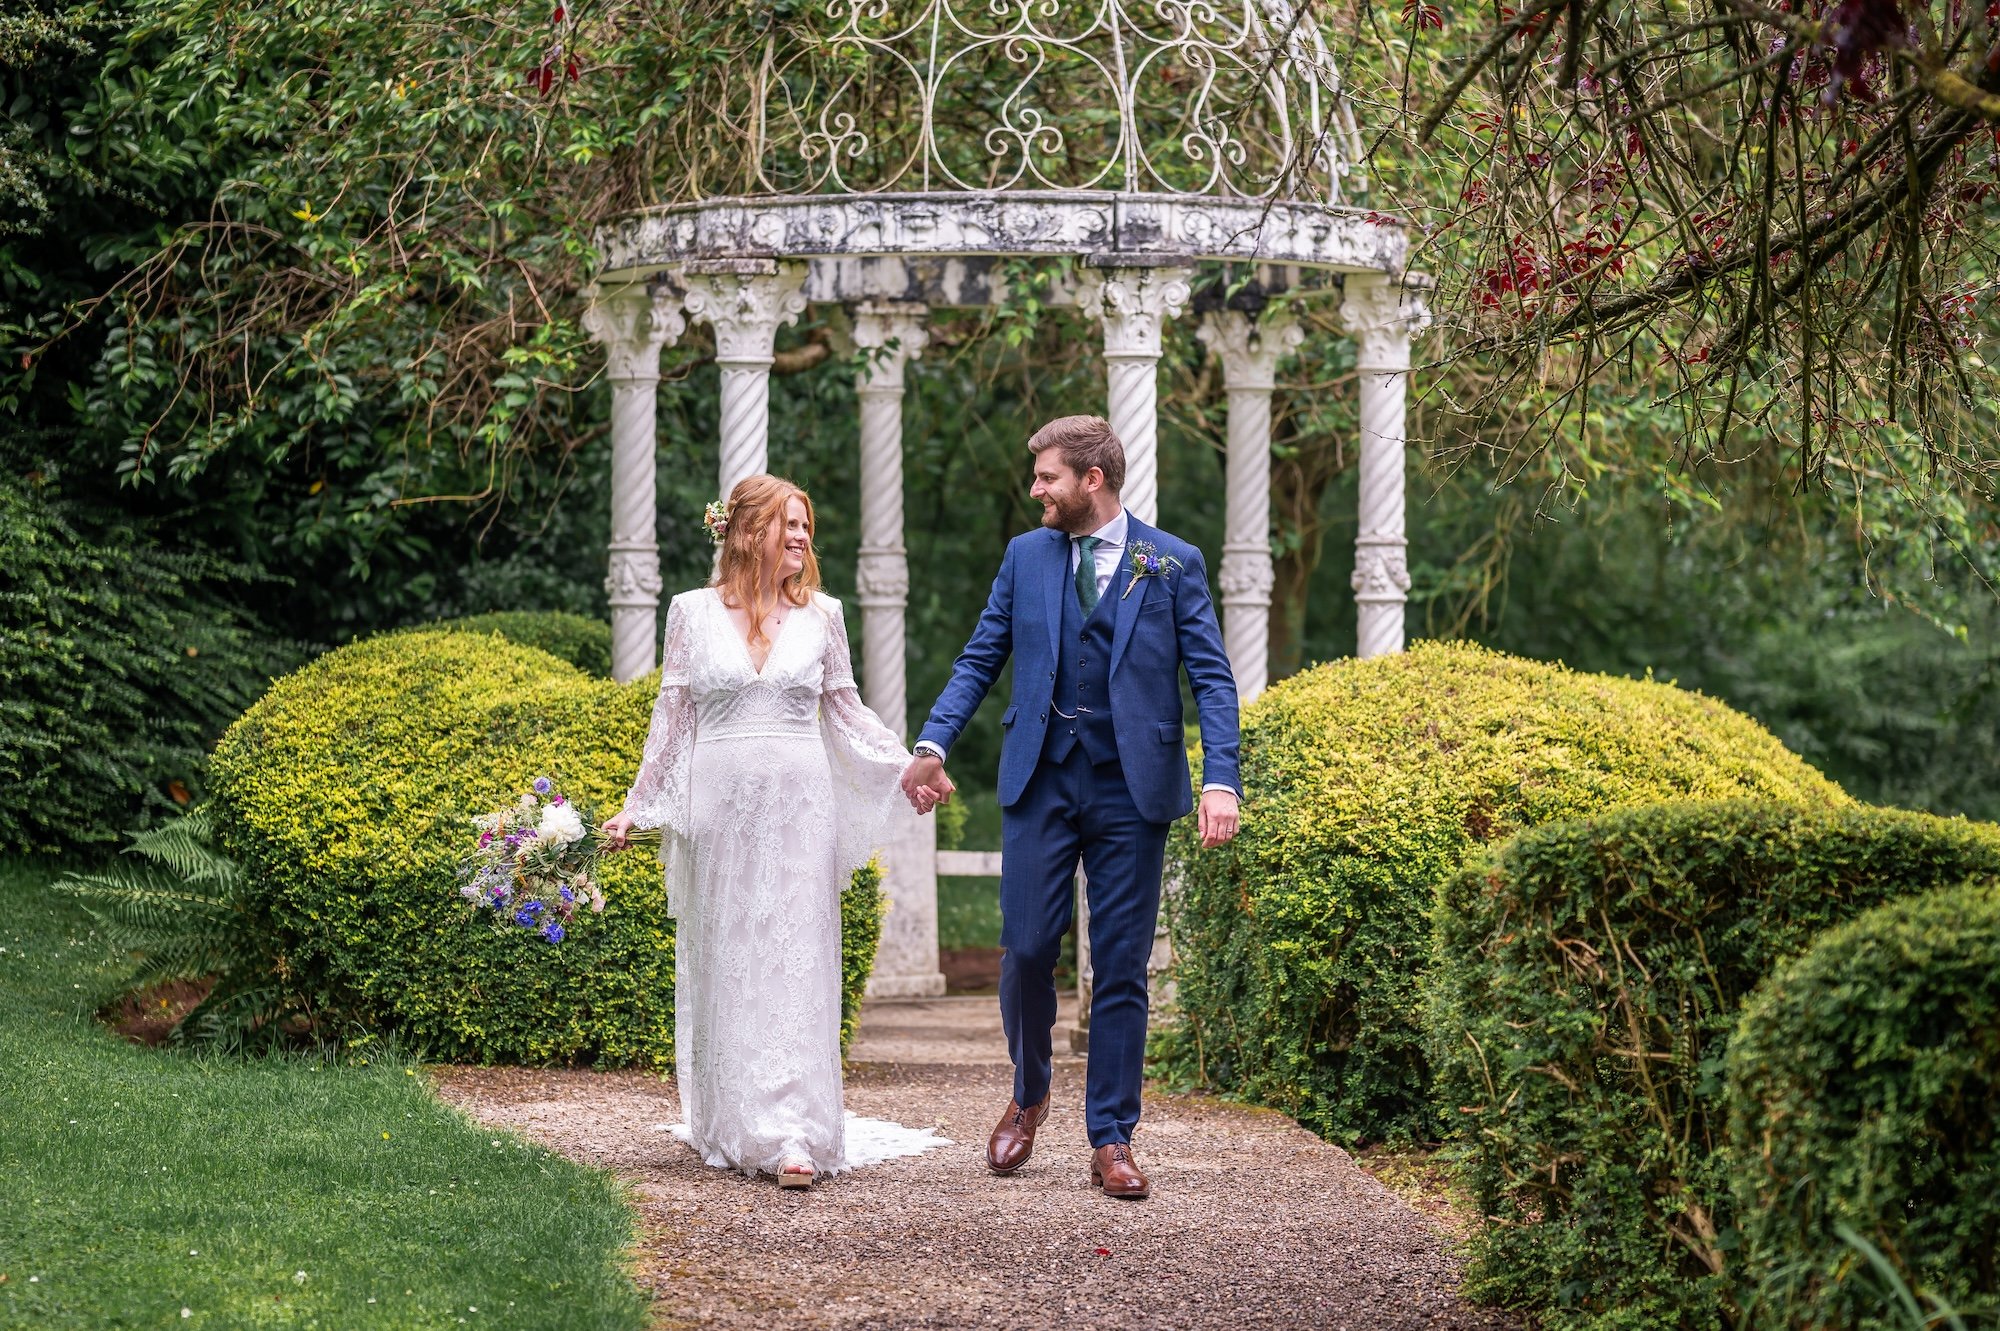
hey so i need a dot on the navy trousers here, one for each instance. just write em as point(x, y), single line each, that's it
point(1069, 810)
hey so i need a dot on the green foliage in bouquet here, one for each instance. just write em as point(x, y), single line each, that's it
point(1864, 1092)
point(1588, 980)
point(583, 642)
point(1301, 945)
point(347, 794)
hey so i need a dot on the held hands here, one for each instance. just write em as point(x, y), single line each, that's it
point(925, 785)
point(1217, 818)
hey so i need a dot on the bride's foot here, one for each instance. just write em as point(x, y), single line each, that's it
point(795, 1174)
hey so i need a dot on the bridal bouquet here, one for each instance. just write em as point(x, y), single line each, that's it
point(535, 862)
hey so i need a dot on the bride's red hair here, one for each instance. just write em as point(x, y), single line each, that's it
point(756, 503)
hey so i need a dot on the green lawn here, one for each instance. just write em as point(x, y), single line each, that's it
point(144, 1189)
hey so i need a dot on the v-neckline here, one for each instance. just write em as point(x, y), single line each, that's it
point(756, 671)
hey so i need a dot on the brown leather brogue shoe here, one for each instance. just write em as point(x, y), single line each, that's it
point(1113, 1169)
point(1013, 1141)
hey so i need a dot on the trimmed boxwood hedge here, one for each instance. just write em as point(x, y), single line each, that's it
point(583, 642)
point(346, 794)
point(1299, 946)
point(1864, 1089)
point(1589, 976)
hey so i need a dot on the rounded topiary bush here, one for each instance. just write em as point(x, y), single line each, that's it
point(1299, 946)
point(346, 793)
point(1864, 1090)
point(1584, 992)
point(583, 642)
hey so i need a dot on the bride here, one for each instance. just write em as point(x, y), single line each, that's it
point(773, 783)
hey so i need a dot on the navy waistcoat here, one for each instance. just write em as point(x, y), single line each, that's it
point(1083, 681)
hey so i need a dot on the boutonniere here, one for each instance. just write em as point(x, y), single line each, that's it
point(1148, 562)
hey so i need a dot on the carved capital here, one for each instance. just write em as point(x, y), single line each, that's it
point(1381, 573)
point(745, 309)
point(1383, 316)
point(1133, 304)
point(635, 323)
point(634, 578)
point(893, 333)
point(1250, 348)
point(881, 576)
point(1246, 577)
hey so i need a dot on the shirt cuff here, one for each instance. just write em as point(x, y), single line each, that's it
point(926, 746)
point(1217, 785)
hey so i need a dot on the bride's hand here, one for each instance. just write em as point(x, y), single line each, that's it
point(616, 829)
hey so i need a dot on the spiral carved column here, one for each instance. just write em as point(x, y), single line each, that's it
point(891, 335)
point(1383, 316)
point(1133, 304)
point(744, 301)
point(1250, 352)
point(635, 324)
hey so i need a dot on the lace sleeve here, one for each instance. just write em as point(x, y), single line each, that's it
point(659, 794)
point(867, 758)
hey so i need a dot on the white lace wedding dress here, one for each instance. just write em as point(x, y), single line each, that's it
point(772, 788)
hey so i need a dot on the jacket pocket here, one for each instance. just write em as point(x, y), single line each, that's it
point(1007, 717)
point(1172, 732)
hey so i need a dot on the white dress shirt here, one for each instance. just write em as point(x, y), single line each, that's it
point(1109, 556)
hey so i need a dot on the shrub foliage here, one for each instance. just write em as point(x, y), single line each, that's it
point(346, 793)
point(1589, 975)
point(1864, 1089)
point(583, 642)
point(1300, 944)
point(122, 663)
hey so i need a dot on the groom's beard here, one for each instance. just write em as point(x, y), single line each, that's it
point(1072, 515)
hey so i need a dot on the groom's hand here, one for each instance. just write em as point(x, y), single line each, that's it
point(1217, 818)
point(924, 783)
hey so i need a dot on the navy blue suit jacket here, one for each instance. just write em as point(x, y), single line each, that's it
point(1164, 623)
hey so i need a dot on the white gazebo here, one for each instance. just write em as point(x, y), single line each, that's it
point(899, 161)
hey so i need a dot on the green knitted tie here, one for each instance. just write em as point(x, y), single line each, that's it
point(1086, 574)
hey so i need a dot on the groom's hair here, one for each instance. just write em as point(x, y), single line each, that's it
point(1084, 442)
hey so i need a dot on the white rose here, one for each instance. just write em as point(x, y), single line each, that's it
point(560, 825)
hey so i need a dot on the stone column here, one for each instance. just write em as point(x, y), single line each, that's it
point(1250, 351)
point(1133, 303)
point(1382, 316)
point(635, 324)
point(744, 301)
point(891, 335)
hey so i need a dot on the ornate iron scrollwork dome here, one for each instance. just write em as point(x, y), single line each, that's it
point(1168, 129)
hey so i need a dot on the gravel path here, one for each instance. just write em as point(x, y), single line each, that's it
point(1254, 1222)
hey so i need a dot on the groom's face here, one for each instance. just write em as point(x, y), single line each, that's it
point(1066, 499)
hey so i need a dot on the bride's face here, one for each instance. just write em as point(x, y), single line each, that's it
point(786, 543)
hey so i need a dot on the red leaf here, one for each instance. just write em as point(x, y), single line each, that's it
point(559, 15)
point(572, 69)
point(1104, 1252)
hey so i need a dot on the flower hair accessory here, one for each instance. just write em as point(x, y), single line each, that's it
point(715, 520)
point(1148, 562)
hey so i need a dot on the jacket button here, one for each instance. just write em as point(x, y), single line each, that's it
point(1045, 716)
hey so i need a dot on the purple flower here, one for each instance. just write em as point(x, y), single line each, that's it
point(543, 785)
point(553, 932)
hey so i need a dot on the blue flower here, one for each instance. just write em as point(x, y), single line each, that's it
point(568, 895)
point(553, 932)
point(543, 785)
point(525, 917)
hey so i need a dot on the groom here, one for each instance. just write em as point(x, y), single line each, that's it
point(1100, 612)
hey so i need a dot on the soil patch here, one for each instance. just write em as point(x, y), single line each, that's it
point(148, 1016)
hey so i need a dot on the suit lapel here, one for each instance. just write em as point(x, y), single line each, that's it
point(1128, 606)
point(1058, 584)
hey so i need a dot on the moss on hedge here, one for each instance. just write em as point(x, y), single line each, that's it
point(346, 792)
point(1588, 979)
point(1864, 1089)
point(1300, 945)
point(583, 642)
